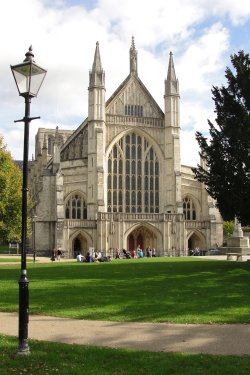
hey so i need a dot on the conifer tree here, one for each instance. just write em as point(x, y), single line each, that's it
point(226, 153)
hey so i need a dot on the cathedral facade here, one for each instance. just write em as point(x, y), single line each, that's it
point(117, 180)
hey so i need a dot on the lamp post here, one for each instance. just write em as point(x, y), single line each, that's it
point(28, 78)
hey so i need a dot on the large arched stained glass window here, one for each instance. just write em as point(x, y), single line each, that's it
point(133, 176)
point(189, 209)
point(75, 207)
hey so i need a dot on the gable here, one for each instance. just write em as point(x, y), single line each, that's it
point(133, 98)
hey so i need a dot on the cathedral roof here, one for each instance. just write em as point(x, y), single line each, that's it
point(133, 76)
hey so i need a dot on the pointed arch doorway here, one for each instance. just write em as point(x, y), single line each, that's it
point(142, 236)
point(79, 245)
point(195, 240)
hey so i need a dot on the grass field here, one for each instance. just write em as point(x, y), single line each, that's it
point(62, 359)
point(13, 260)
point(179, 290)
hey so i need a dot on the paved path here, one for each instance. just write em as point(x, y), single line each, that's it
point(201, 338)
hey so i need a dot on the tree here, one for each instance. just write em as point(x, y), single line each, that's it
point(226, 156)
point(228, 228)
point(10, 196)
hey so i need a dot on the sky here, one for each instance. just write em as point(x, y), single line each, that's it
point(202, 34)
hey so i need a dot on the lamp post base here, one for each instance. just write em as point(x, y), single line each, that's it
point(23, 348)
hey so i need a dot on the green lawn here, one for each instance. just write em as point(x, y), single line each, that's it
point(62, 359)
point(180, 290)
point(13, 260)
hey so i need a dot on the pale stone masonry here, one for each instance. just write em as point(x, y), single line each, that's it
point(117, 180)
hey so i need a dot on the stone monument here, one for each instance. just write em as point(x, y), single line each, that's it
point(238, 243)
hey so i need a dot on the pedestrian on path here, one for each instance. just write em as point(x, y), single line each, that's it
point(58, 254)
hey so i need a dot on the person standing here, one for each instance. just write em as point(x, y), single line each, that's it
point(58, 254)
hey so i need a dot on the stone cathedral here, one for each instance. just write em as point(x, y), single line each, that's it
point(117, 180)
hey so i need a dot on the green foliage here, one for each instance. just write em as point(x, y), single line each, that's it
point(178, 290)
point(228, 228)
point(10, 197)
point(56, 358)
point(4, 249)
point(226, 155)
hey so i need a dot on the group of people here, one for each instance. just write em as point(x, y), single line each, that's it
point(137, 253)
point(56, 254)
point(97, 257)
point(195, 252)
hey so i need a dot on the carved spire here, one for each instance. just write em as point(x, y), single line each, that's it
point(133, 58)
point(96, 75)
point(97, 65)
point(171, 83)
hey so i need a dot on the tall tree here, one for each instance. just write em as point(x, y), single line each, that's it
point(226, 154)
point(10, 196)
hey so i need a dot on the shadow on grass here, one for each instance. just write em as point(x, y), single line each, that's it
point(180, 290)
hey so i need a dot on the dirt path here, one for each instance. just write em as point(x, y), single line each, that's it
point(201, 338)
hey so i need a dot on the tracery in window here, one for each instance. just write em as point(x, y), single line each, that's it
point(134, 110)
point(189, 209)
point(75, 207)
point(133, 176)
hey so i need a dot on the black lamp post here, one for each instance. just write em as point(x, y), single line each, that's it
point(29, 78)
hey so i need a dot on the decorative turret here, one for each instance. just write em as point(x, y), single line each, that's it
point(97, 89)
point(172, 137)
point(172, 97)
point(96, 137)
point(133, 58)
point(171, 83)
point(97, 75)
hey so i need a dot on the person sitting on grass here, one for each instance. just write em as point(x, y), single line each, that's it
point(88, 258)
point(80, 258)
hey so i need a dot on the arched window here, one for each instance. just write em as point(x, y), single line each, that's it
point(50, 145)
point(189, 209)
point(134, 169)
point(75, 207)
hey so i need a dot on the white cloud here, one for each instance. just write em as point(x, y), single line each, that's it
point(238, 11)
point(202, 58)
point(189, 148)
point(64, 38)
